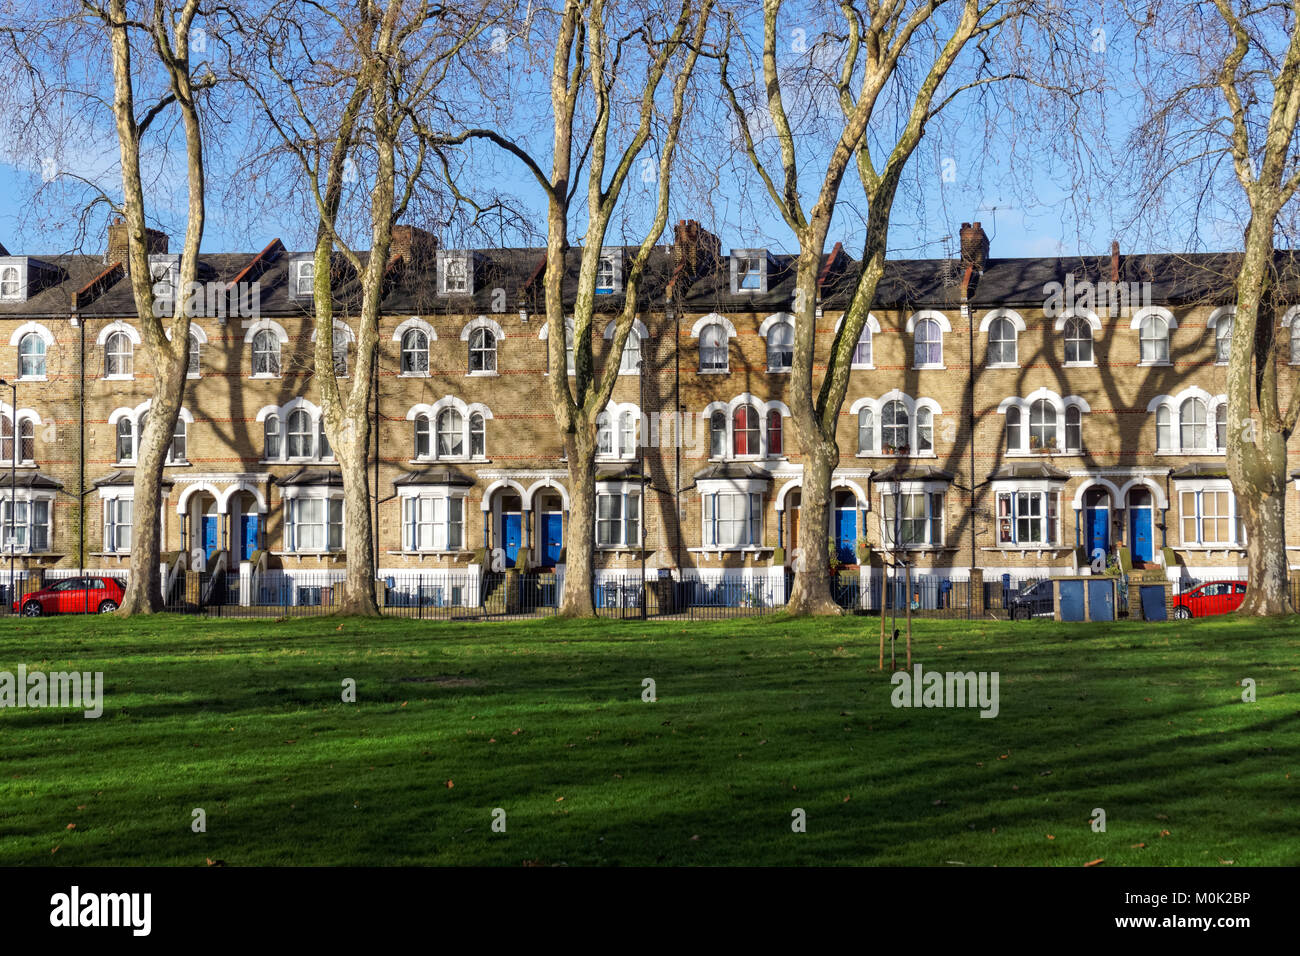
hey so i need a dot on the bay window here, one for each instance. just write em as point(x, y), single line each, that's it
point(117, 525)
point(1209, 516)
point(25, 524)
point(912, 517)
point(433, 522)
point(618, 517)
point(315, 523)
point(1029, 517)
point(733, 520)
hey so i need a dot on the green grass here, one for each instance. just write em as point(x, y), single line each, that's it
point(754, 719)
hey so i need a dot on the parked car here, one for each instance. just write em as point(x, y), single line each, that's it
point(1212, 597)
point(1034, 599)
point(89, 595)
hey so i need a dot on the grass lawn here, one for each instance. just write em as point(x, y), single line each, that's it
point(754, 718)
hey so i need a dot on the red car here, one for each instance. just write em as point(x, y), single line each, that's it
point(89, 595)
point(1213, 597)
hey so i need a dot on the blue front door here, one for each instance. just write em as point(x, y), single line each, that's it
point(248, 535)
point(511, 530)
point(211, 535)
point(1098, 524)
point(1140, 527)
point(846, 535)
point(552, 538)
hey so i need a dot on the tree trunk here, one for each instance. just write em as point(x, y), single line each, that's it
point(144, 588)
point(812, 580)
point(358, 528)
point(1263, 510)
point(580, 535)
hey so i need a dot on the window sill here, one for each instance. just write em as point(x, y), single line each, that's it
point(1154, 364)
point(724, 550)
point(1080, 365)
point(119, 378)
point(929, 368)
point(861, 368)
point(31, 378)
point(191, 376)
point(265, 376)
point(1063, 453)
point(483, 374)
point(311, 554)
point(1002, 365)
point(779, 371)
point(714, 371)
point(1038, 549)
point(1211, 548)
point(896, 457)
point(450, 460)
point(1193, 453)
point(413, 375)
point(455, 553)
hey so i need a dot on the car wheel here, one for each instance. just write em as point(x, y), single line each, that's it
point(33, 609)
point(107, 607)
point(1182, 613)
point(1021, 614)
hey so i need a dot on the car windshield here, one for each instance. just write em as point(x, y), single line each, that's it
point(1029, 587)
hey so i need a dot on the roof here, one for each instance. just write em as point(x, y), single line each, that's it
point(1202, 470)
point(313, 476)
point(904, 472)
point(30, 479)
point(733, 471)
point(434, 476)
point(1028, 470)
point(124, 476)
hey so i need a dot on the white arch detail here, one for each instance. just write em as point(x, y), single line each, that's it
point(482, 322)
point(993, 314)
point(1056, 401)
point(191, 490)
point(1116, 499)
point(45, 334)
point(872, 323)
point(1290, 315)
point(264, 324)
point(1223, 312)
point(710, 319)
point(1176, 401)
point(637, 326)
point(1086, 314)
point(545, 484)
point(935, 314)
point(778, 318)
point(1157, 493)
point(339, 327)
point(414, 322)
point(545, 333)
point(118, 326)
point(1156, 310)
point(498, 485)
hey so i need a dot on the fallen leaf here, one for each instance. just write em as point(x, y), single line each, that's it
point(56, 849)
point(1221, 860)
point(1138, 846)
point(1050, 837)
point(450, 784)
point(1164, 833)
point(559, 799)
point(847, 796)
point(492, 740)
point(1095, 862)
point(695, 837)
point(72, 826)
point(403, 703)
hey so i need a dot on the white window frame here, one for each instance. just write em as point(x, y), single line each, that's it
point(746, 263)
point(12, 281)
point(1172, 406)
point(25, 419)
point(712, 496)
point(433, 508)
point(775, 327)
point(1155, 314)
point(627, 496)
point(927, 491)
point(609, 272)
point(1198, 489)
point(913, 408)
point(472, 430)
point(924, 318)
point(304, 278)
point(113, 526)
point(461, 259)
point(293, 523)
point(1019, 424)
point(728, 410)
point(1019, 498)
point(26, 524)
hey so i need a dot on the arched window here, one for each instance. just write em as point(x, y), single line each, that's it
point(630, 362)
point(1073, 429)
point(928, 343)
point(713, 348)
point(866, 432)
point(718, 435)
point(451, 436)
point(924, 429)
point(1078, 341)
point(422, 436)
point(1164, 436)
point(745, 431)
point(1013, 429)
point(323, 449)
point(1221, 426)
point(179, 441)
point(627, 424)
point(1002, 342)
point(1153, 336)
point(604, 435)
point(6, 438)
point(195, 356)
point(780, 347)
point(117, 354)
point(482, 351)
point(1191, 423)
point(125, 439)
point(299, 434)
point(477, 436)
point(340, 344)
point(775, 441)
point(26, 439)
point(894, 428)
point(31, 356)
point(266, 353)
point(862, 350)
point(1222, 339)
point(1042, 425)
point(415, 352)
point(1295, 343)
point(271, 437)
point(10, 282)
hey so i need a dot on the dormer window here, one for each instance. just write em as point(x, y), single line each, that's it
point(609, 274)
point(302, 282)
point(165, 270)
point(454, 276)
point(11, 282)
point(748, 271)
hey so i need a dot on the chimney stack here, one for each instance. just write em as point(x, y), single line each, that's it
point(974, 246)
point(695, 247)
point(413, 244)
point(117, 242)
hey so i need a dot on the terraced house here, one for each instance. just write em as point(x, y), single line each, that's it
point(1009, 416)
